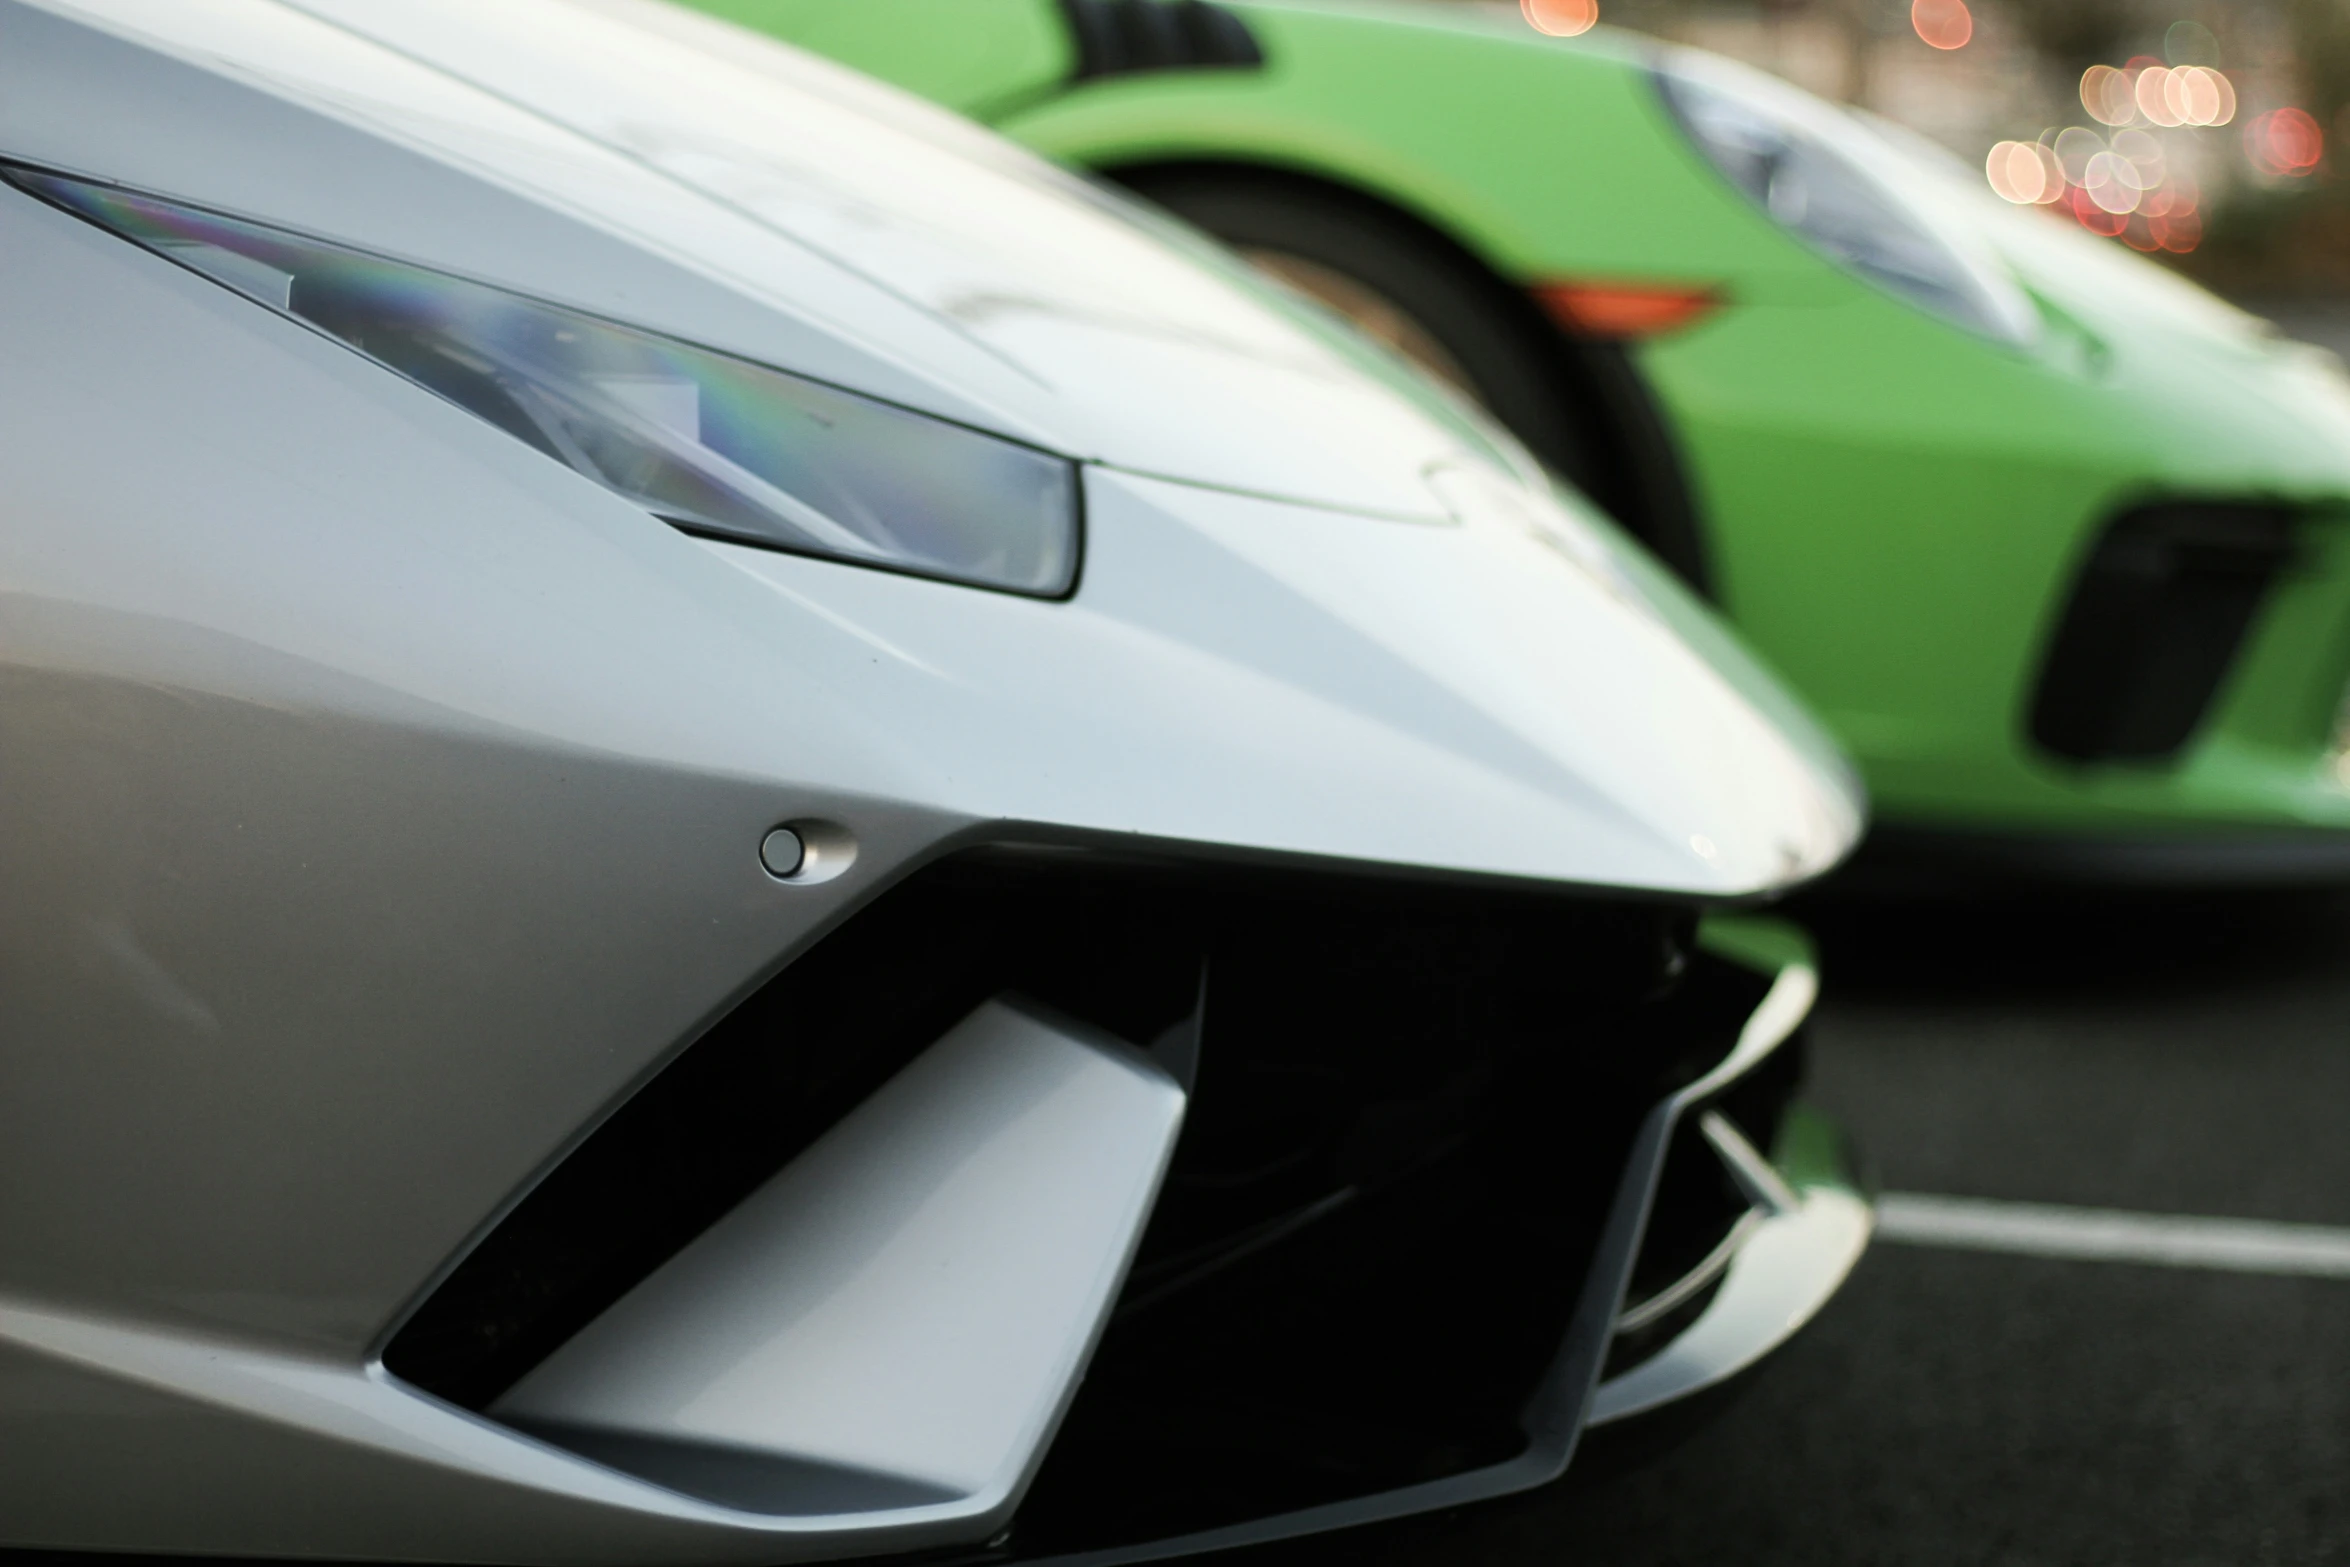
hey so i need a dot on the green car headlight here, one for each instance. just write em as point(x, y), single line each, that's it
point(1826, 177)
point(712, 444)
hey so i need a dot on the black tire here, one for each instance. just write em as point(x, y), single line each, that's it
point(1582, 407)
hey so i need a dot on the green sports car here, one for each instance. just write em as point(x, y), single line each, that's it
point(2053, 540)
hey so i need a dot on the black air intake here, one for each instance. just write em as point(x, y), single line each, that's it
point(775, 1074)
point(1126, 37)
point(2156, 620)
point(1411, 1110)
point(1358, 1030)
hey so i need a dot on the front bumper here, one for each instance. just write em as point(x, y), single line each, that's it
point(1905, 519)
point(1430, 1216)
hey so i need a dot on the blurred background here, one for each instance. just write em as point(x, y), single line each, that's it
point(2208, 133)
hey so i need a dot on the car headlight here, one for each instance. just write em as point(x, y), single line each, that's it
point(709, 443)
point(1822, 174)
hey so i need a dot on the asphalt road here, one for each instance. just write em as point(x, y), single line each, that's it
point(2174, 1056)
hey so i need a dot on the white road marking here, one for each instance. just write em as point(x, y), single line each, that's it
point(2104, 1235)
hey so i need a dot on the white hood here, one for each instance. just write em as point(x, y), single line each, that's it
point(1476, 677)
point(748, 180)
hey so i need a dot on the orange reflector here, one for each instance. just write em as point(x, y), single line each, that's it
point(1625, 309)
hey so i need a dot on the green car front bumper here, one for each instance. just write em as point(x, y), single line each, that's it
point(1909, 522)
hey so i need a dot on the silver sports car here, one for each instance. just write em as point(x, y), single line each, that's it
point(736, 830)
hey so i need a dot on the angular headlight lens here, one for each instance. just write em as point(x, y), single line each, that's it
point(709, 443)
point(1824, 175)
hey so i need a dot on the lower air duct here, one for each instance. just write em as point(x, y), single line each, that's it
point(897, 1318)
point(847, 1254)
point(2155, 622)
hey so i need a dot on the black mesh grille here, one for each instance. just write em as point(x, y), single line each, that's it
point(2156, 619)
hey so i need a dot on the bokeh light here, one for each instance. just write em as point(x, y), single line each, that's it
point(2105, 93)
point(2203, 96)
point(2096, 217)
point(2128, 189)
point(1946, 24)
point(2025, 173)
point(2190, 43)
point(2178, 232)
point(2074, 148)
point(2112, 183)
point(2176, 196)
point(2156, 94)
point(2286, 142)
point(2142, 149)
point(1561, 18)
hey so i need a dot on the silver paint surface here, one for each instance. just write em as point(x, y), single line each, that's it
point(313, 687)
point(1786, 1267)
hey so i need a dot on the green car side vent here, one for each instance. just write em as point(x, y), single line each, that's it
point(1136, 37)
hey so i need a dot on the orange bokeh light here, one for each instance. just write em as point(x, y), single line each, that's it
point(1560, 18)
point(2203, 97)
point(1946, 24)
point(2157, 94)
point(2105, 93)
point(2025, 173)
point(2155, 97)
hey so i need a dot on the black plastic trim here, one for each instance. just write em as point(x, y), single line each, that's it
point(1552, 1420)
point(1137, 37)
point(2156, 619)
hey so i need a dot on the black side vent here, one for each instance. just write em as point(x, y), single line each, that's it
point(1126, 37)
point(770, 1078)
point(2156, 619)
